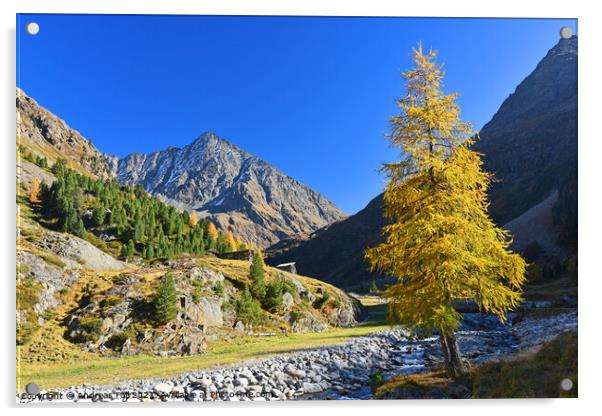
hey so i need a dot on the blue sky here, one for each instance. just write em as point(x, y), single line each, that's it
point(312, 96)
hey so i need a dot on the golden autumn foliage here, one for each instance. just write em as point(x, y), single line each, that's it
point(231, 242)
point(212, 231)
point(193, 219)
point(34, 191)
point(239, 243)
point(441, 243)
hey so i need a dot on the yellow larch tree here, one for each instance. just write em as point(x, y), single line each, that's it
point(441, 244)
point(240, 244)
point(230, 241)
point(193, 219)
point(34, 191)
point(212, 231)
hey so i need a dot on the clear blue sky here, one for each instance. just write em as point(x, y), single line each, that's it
point(312, 96)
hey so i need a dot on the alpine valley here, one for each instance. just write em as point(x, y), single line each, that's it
point(205, 273)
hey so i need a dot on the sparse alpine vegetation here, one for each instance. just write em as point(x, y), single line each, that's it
point(168, 295)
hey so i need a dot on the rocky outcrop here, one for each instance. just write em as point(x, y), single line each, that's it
point(51, 278)
point(47, 135)
point(118, 320)
point(80, 251)
point(235, 189)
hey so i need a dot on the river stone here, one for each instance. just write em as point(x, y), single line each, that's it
point(294, 372)
point(163, 388)
point(309, 388)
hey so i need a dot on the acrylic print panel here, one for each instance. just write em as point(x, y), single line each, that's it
point(293, 208)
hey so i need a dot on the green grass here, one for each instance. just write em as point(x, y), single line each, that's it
point(52, 259)
point(27, 292)
point(220, 353)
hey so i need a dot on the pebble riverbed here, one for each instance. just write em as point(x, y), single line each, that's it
point(337, 372)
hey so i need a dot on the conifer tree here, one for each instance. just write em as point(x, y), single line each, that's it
point(138, 229)
point(212, 231)
point(441, 243)
point(257, 275)
point(193, 219)
point(240, 245)
point(257, 268)
point(34, 191)
point(248, 309)
point(98, 216)
point(150, 252)
point(230, 242)
point(130, 249)
point(165, 302)
point(179, 227)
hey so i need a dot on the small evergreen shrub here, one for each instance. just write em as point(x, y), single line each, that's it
point(248, 309)
point(165, 306)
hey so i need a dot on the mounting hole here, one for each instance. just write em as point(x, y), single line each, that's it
point(566, 384)
point(32, 28)
point(566, 32)
point(32, 389)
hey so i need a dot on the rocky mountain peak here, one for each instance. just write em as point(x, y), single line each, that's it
point(565, 46)
point(235, 189)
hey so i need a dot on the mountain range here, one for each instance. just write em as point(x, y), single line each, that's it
point(211, 176)
point(530, 145)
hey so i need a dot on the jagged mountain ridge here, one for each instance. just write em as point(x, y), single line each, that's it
point(45, 134)
point(237, 190)
point(530, 145)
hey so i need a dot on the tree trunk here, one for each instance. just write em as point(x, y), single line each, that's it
point(451, 353)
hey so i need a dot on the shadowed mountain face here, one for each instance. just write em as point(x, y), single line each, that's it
point(335, 253)
point(530, 144)
point(531, 147)
point(235, 189)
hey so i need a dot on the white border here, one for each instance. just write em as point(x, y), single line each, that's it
point(590, 153)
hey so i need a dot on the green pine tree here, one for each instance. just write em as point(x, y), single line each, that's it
point(130, 249)
point(257, 276)
point(248, 309)
point(98, 216)
point(165, 302)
